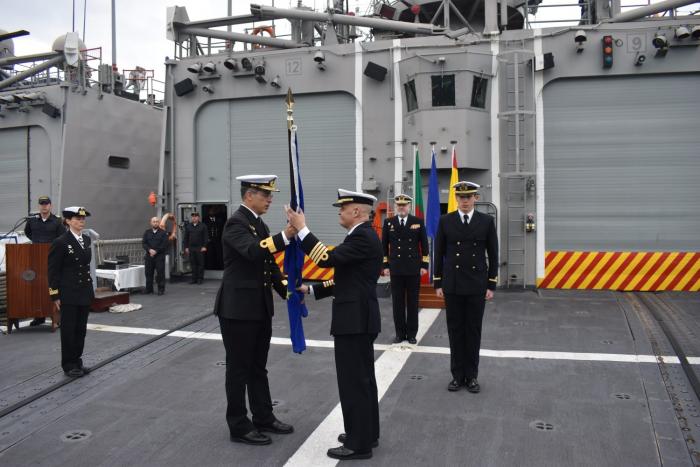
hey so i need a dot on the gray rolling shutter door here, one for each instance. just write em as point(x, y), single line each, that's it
point(622, 164)
point(326, 132)
point(13, 177)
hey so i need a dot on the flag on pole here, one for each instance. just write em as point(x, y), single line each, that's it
point(418, 209)
point(454, 178)
point(293, 254)
point(432, 216)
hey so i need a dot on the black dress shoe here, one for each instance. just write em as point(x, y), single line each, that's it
point(85, 370)
point(252, 437)
point(473, 386)
point(74, 373)
point(342, 453)
point(276, 427)
point(344, 437)
point(412, 340)
point(147, 292)
point(193, 282)
point(398, 339)
point(200, 281)
point(454, 385)
point(37, 321)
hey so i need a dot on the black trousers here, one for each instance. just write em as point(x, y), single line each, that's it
point(73, 328)
point(404, 297)
point(357, 387)
point(197, 263)
point(464, 314)
point(247, 344)
point(155, 263)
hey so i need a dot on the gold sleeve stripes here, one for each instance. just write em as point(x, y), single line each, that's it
point(53, 291)
point(426, 259)
point(318, 253)
point(435, 278)
point(268, 243)
point(495, 279)
point(386, 259)
point(329, 283)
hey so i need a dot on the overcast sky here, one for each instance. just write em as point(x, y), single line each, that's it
point(140, 24)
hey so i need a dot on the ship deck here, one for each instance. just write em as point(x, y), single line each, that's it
point(568, 378)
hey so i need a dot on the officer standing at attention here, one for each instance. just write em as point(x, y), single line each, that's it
point(244, 307)
point(43, 228)
point(463, 240)
point(195, 243)
point(155, 242)
point(406, 258)
point(355, 321)
point(70, 288)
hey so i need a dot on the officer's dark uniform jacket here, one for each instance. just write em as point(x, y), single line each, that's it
point(196, 236)
point(405, 248)
point(250, 270)
point(40, 231)
point(155, 241)
point(460, 259)
point(69, 271)
point(357, 262)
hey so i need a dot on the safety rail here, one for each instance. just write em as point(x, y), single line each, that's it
point(112, 249)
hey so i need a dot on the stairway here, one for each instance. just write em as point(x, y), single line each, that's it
point(428, 299)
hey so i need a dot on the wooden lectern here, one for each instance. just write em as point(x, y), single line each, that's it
point(28, 283)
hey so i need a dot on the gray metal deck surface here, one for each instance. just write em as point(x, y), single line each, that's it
point(164, 404)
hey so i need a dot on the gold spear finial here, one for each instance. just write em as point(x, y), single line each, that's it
point(290, 108)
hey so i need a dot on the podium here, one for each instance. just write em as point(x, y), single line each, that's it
point(28, 283)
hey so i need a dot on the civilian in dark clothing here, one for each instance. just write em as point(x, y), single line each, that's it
point(155, 243)
point(195, 243)
point(43, 228)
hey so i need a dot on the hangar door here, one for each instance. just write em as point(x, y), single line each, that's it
point(621, 164)
point(13, 176)
point(249, 136)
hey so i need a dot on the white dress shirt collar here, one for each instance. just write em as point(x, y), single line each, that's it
point(251, 211)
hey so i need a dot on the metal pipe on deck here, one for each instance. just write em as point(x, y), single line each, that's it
point(217, 22)
point(241, 37)
point(641, 12)
point(7, 61)
point(32, 71)
point(266, 12)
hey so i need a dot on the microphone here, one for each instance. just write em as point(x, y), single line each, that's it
point(32, 215)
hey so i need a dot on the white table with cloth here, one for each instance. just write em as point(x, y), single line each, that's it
point(127, 278)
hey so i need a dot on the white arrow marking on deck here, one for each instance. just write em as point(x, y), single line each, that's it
point(386, 367)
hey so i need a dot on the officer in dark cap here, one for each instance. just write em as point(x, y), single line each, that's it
point(465, 242)
point(155, 243)
point(43, 227)
point(195, 243)
point(71, 288)
point(245, 308)
point(406, 258)
point(355, 322)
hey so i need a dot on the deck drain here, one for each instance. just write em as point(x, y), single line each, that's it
point(607, 342)
point(519, 323)
point(438, 336)
point(623, 396)
point(541, 426)
point(220, 363)
point(416, 377)
point(277, 403)
point(75, 435)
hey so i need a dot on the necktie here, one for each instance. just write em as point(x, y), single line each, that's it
point(403, 223)
point(466, 219)
point(82, 243)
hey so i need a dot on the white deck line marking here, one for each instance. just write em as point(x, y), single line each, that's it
point(386, 367)
point(407, 348)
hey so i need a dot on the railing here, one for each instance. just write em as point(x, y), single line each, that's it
point(111, 249)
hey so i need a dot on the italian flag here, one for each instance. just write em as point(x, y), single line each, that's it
point(418, 209)
point(454, 178)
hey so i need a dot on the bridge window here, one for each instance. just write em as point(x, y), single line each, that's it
point(118, 162)
point(411, 98)
point(443, 90)
point(479, 87)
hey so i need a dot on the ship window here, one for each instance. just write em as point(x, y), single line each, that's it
point(443, 90)
point(118, 162)
point(411, 98)
point(479, 87)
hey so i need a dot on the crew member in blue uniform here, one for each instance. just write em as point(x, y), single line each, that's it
point(155, 244)
point(355, 320)
point(406, 257)
point(245, 308)
point(195, 243)
point(71, 288)
point(44, 227)
point(466, 274)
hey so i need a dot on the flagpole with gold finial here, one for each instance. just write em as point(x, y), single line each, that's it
point(290, 109)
